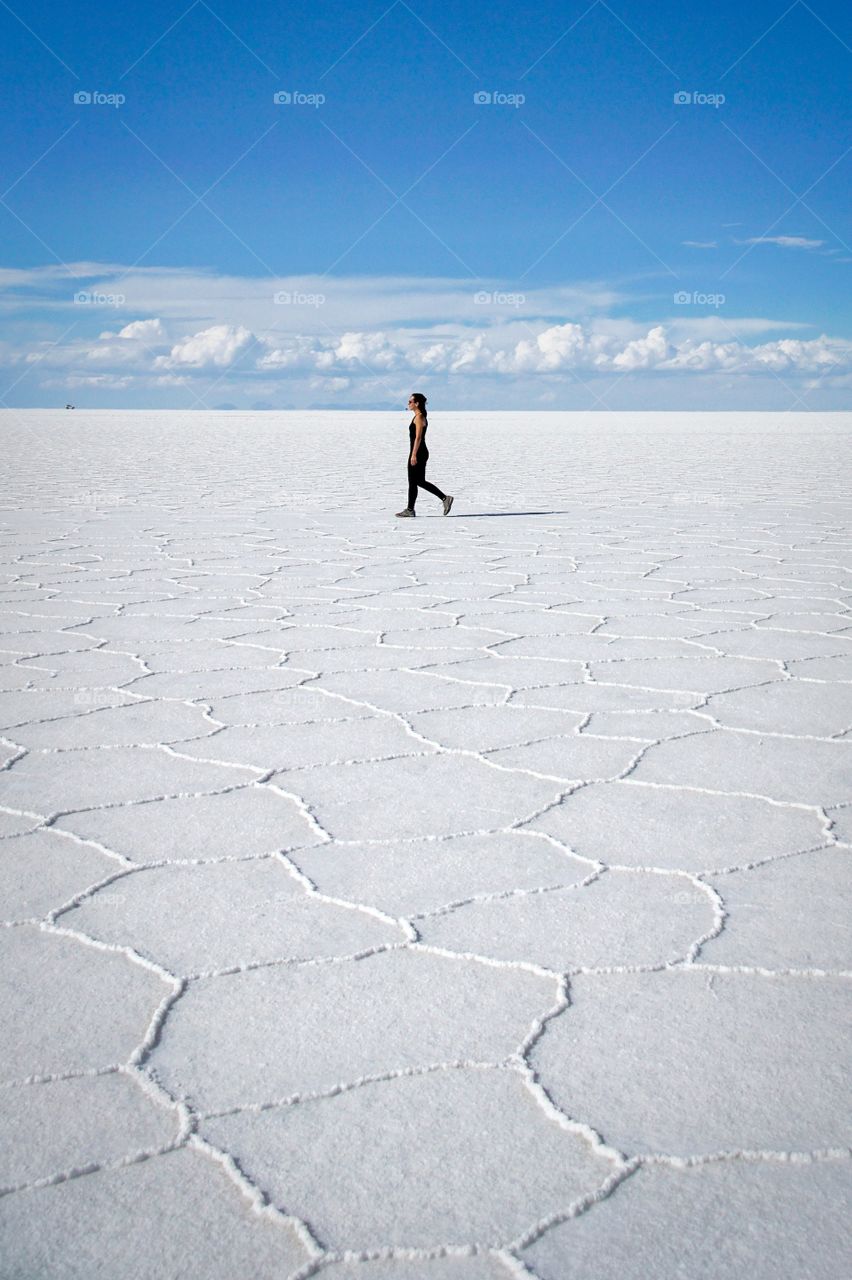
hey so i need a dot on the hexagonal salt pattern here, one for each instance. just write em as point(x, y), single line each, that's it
point(68, 1007)
point(150, 1219)
point(622, 918)
point(386, 1018)
point(414, 877)
point(464, 1182)
point(443, 793)
point(803, 706)
point(92, 776)
point(696, 1067)
point(667, 826)
point(486, 1265)
point(40, 869)
point(72, 1124)
point(256, 913)
point(766, 925)
point(812, 771)
point(726, 1219)
point(248, 821)
point(430, 900)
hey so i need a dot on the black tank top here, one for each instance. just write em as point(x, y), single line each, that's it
point(412, 431)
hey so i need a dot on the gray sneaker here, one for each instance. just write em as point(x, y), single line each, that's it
point(448, 502)
point(406, 512)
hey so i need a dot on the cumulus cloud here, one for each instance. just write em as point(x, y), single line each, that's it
point(506, 351)
point(371, 349)
point(150, 332)
point(217, 346)
point(645, 353)
point(791, 355)
point(380, 335)
point(297, 353)
point(558, 349)
point(145, 330)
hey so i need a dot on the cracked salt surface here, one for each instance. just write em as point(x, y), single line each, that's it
point(450, 902)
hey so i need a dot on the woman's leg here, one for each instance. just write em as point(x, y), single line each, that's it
point(431, 488)
point(412, 486)
point(422, 459)
point(417, 478)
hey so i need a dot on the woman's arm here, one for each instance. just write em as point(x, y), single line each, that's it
point(419, 424)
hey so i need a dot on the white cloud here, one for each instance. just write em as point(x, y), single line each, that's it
point(785, 242)
point(125, 346)
point(146, 330)
point(792, 355)
point(506, 352)
point(716, 325)
point(371, 349)
point(103, 381)
point(645, 353)
point(329, 384)
point(374, 335)
point(218, 346)
point(704, 356)
point(350, 302)
point(298, 355)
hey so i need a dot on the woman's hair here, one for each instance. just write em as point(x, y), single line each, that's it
point(421, 400)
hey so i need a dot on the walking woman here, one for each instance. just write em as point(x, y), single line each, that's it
point(418, 456)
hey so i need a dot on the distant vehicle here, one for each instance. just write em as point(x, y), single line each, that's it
point(70, 406)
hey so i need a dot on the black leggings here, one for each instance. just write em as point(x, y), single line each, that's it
point(417, 477)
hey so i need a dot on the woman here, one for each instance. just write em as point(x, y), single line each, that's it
point(418, 456)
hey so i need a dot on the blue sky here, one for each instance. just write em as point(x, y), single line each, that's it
point(583, 240)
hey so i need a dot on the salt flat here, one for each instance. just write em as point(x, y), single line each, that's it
point(443, 899)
